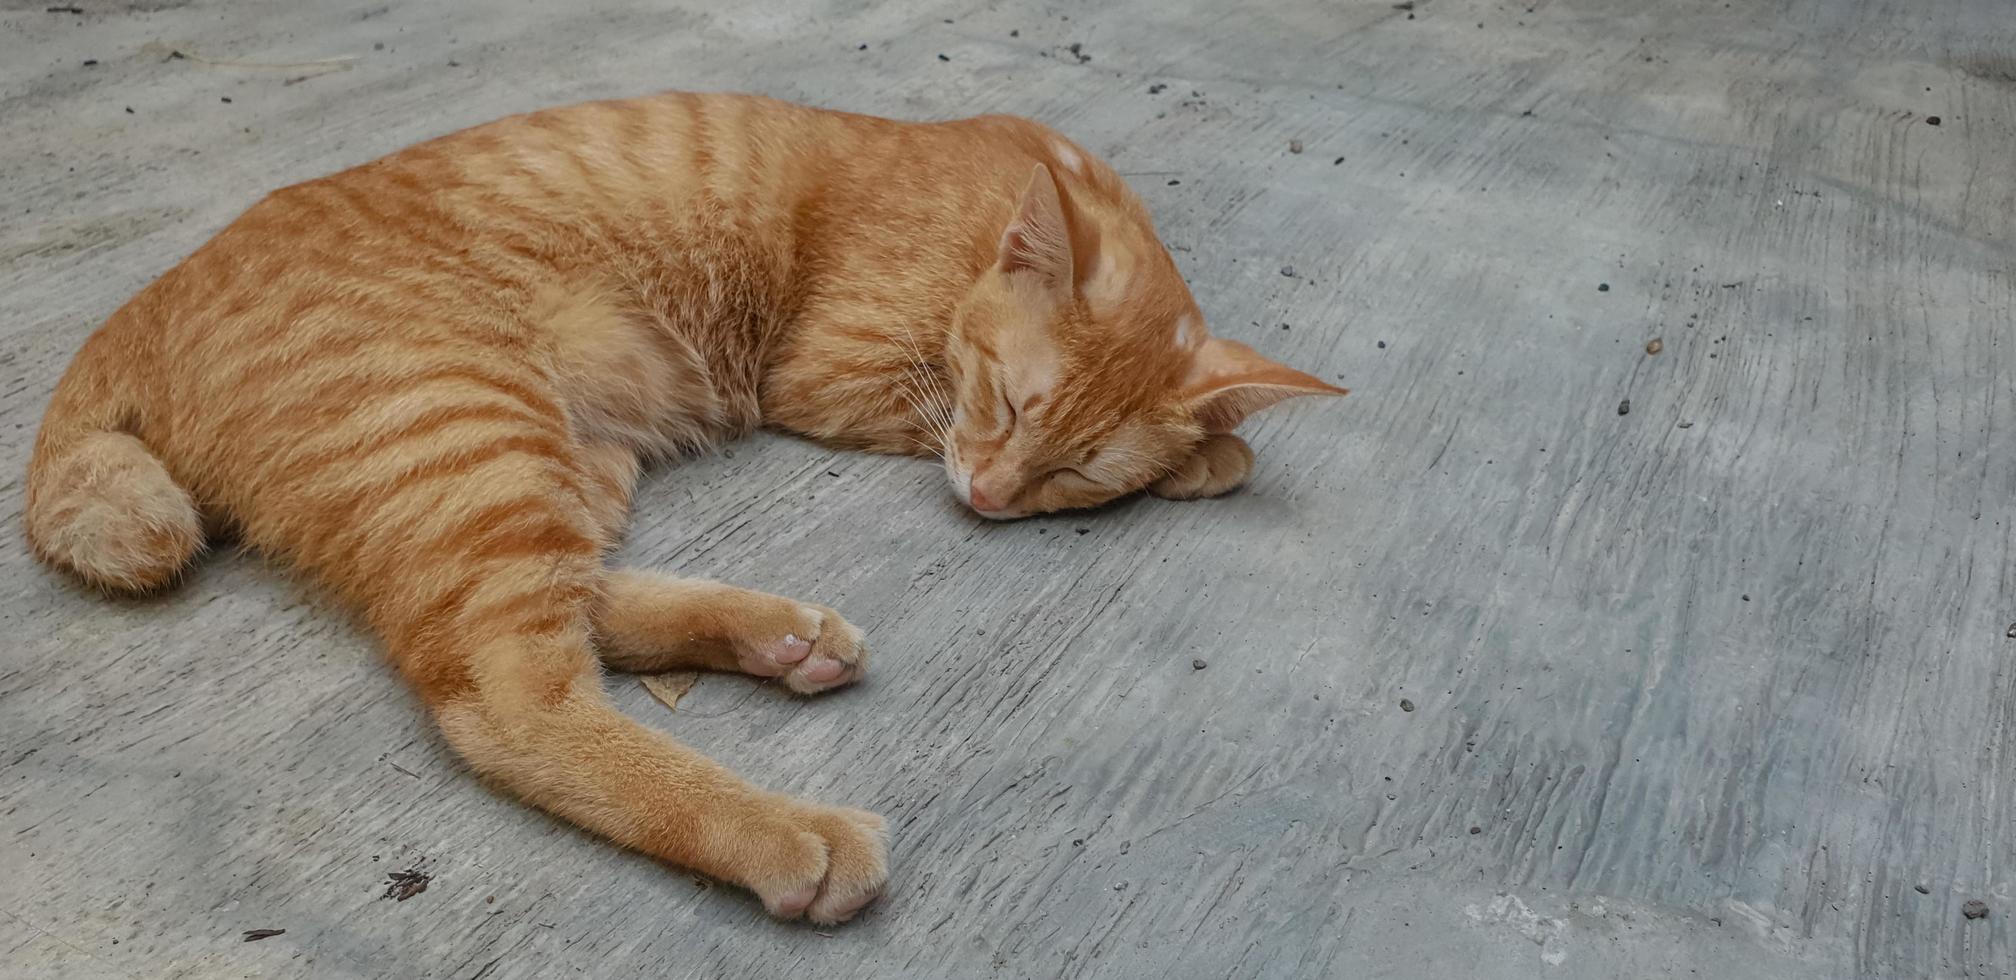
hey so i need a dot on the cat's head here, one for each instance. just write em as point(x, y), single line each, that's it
point(1080, 367)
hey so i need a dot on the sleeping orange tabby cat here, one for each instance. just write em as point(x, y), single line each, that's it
point(429, 383)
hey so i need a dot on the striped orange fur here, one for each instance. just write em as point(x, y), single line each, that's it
point(430, 382)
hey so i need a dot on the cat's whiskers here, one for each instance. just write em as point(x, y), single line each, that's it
point(921, 389)
point(925, 420)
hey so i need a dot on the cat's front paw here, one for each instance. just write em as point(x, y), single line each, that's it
point(1220, 465)
point(811, 649)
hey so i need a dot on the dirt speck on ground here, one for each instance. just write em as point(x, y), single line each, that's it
point(1974, 908)
point(1406, 705)
point(1294, 146)
point(1624, 407)
point(402, 885)
point(1654, 346)
point(1198, 664)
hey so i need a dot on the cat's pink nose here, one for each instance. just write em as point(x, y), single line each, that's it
point(979, 499)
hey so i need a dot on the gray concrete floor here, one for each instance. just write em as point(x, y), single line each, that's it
point(1715, 688)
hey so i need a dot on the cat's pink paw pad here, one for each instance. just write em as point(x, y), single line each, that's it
point(822, 671)
point(839, 656)
point(788, 651)
point(774, 657)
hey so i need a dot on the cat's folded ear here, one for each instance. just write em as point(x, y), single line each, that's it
point(1037, 241)
point(1228, 381)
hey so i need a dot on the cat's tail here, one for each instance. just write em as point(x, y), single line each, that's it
point(100, 503)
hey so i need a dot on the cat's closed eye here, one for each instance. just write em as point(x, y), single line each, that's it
point(1080, 471)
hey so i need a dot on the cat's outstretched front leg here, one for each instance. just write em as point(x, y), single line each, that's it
point(1220, 464)
point(649, 622)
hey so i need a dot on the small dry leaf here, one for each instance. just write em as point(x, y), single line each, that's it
point(1655, 346)
point(669, 688)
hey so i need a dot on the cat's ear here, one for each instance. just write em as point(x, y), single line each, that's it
point(1037, 242)
point(1228, 381)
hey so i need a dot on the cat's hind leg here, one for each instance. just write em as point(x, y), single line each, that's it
point(488, 605)
point(648, 622)
point(458, 512)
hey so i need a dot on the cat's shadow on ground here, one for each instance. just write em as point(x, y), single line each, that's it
point(1246, 503)
point(1052, 522)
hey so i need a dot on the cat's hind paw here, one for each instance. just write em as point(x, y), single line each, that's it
point(823, 863)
